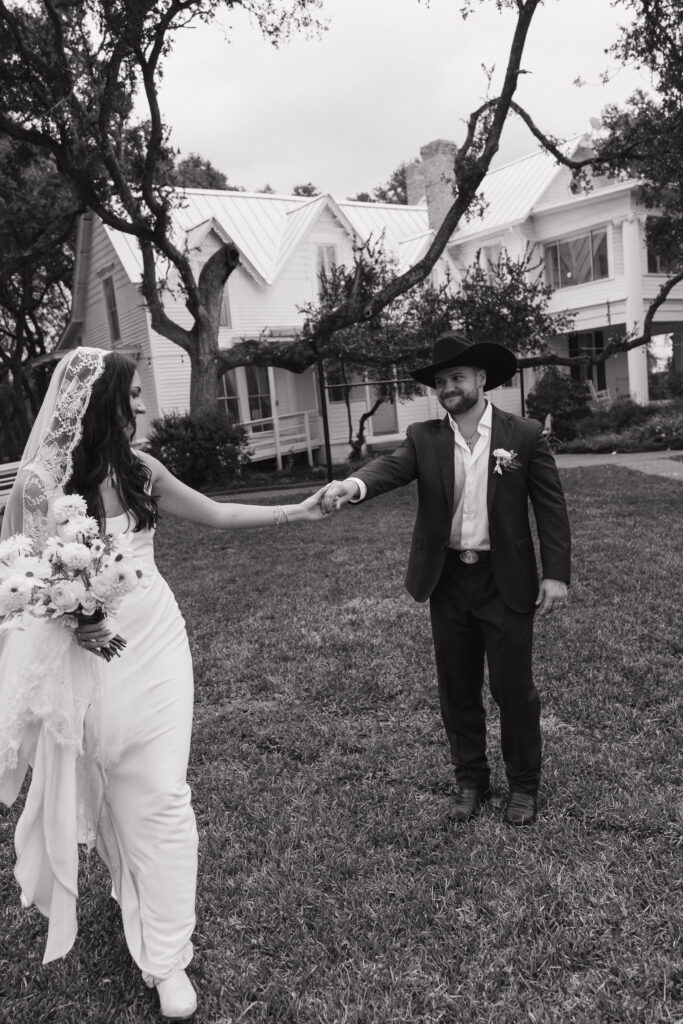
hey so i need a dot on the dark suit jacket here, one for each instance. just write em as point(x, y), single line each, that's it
point(427, 456)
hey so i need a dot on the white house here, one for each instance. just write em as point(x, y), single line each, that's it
point(593, 246)
point(284, 242)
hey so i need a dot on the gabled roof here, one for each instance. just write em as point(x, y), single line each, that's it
point(396, 222)
point(513, 192)
point(413, 249)
point(267, 228)
point(510, 193)
point(299, 220)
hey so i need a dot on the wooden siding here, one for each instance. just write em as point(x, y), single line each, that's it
point(173, 374)
point(132, 315)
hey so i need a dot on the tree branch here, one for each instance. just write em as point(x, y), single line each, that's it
point(161, 323)
point(469, 173)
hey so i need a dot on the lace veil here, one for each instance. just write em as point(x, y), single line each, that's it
point(46, 464)
point(50, 703)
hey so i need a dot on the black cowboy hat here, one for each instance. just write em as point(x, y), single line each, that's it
point(451, 349)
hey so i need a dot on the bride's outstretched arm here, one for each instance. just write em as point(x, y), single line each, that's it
point(177, 499)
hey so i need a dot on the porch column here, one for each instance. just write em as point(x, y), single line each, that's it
point(276, 422)
point(633, 280)
point(677, 351)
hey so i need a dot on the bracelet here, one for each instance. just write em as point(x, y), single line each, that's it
point(279, 515)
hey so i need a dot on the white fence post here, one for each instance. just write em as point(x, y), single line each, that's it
point(307, 433)
point(278, 446)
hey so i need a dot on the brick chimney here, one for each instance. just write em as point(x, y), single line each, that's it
point(438, 158)
point(415, 182)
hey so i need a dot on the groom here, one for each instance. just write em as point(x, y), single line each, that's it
point(473, 556)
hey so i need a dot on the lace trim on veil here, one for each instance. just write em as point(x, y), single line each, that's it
point(50, 689)
point(47, 462)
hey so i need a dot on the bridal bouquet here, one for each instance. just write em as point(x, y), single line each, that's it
point(79, 576)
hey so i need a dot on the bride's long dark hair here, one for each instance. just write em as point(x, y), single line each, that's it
point(104, 448)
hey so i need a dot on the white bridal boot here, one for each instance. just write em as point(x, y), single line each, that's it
point(177, 997)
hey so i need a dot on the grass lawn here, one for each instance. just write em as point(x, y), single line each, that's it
point(330, 888)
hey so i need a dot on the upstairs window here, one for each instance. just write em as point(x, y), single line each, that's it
point(225, 318)
point(112, 312)
point(325, 259)
point(577, 260)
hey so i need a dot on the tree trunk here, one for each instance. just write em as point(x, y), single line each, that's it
point(22, 424)
point(204, 371)
point(356, 454)
point(14, 422)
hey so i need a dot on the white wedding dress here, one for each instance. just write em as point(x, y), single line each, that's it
point(114, 774)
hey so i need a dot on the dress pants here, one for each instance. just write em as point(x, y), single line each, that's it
point(471, 621)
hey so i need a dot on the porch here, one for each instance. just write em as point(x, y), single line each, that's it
point(282, 435)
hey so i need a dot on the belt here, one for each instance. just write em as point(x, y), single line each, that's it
point(470, 557)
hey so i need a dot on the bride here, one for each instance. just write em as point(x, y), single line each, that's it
point(108, 740)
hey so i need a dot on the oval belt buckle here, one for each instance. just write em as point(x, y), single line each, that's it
point(469, 557)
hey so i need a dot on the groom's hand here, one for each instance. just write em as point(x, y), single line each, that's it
point(338, 493)
point(551, 596)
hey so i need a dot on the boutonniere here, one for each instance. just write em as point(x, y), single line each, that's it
point(505, 460)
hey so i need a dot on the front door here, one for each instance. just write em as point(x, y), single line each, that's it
point(385, 420)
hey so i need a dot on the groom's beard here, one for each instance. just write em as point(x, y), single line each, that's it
point(457, 403)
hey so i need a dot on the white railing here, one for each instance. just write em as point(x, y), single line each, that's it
point(280, 435)
point(8, 473)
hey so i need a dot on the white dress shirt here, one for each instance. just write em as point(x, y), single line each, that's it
point(470, 522)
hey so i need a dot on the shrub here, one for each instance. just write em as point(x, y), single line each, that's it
point(661, 431)
point(565, 399)
point(208, 449)
point(666, 384)
point(622, 414)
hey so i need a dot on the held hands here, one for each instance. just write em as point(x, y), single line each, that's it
point(94, 636)
point(336, 494)
point(551, 596)
point(316, 506)
point(311, 507)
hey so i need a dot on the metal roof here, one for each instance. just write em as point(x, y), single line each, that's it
point(513, 192)
point(510, 193)
point(413, 249)
point(395, 222)
point(267, 228)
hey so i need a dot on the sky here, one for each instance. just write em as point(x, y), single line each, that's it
point(345, 109)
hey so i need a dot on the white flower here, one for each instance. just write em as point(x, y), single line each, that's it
point(15, 594)
point(119, 544)
point(117, 579)
point(34, 568)
point(53, 548)
point(65, 596)
point(68, 507)
point(124, 575)
point(89, 602)
point(504, 460)
point(76, 556)
point(103, 586)
point(17, 544)
point(97, 547)
point(80, 527)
